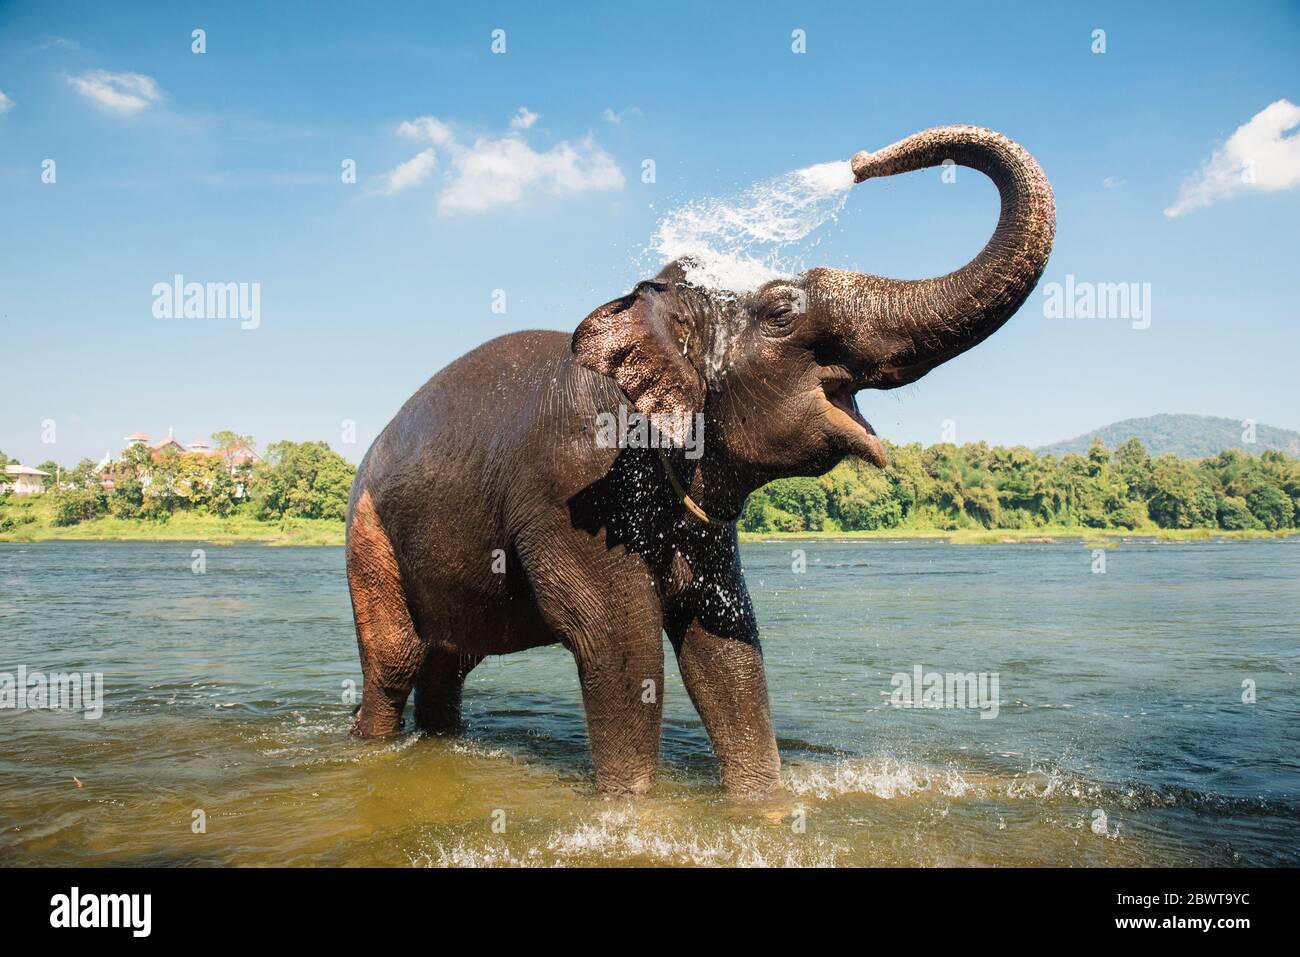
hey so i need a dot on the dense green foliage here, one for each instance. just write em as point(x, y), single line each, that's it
point(1186, 436)
point(945, 488)
point(296, 480)
point(303, 479)
point(939, 488)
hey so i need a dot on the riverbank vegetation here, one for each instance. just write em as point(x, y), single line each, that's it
point(297, 494)
point(975, 490)
point(971, 493)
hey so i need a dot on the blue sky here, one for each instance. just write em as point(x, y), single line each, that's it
point(225, 167)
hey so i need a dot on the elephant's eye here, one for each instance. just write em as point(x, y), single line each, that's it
point(779, 314)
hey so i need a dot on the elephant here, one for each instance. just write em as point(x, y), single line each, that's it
point(489, 517)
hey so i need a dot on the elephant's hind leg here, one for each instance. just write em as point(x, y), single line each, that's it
point(391, 651)
point(438, 689)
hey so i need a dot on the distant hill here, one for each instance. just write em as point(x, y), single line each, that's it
point(1186, 436)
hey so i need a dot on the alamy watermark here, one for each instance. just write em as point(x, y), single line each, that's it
point(630, 429)
point(1098, 300)
point(179, 299)
point(130, 911)
point(57, 691)
point(937, 690)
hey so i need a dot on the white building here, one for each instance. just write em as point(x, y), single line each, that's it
point(24, 480)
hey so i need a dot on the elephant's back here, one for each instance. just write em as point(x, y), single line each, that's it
point(458, 414)
point(509, 365)
point(473, 430)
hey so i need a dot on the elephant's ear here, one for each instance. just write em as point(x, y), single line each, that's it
point(638, 342)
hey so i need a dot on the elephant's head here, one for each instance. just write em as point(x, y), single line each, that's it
point(775, 371)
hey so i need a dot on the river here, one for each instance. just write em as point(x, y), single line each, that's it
point(1147, 714)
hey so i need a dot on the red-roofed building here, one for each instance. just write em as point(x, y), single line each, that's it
point(238, 455)
point(239, 459)
point(166, 445)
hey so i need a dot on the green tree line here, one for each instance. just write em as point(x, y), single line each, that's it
point(294, 480)
point(946, 487)
point(941, 487)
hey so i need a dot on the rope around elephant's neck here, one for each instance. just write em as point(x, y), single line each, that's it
point(681, 493)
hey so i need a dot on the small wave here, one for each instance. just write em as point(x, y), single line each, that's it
point(882, 779)
point(463, 855)
point(620, 834)
point(646, 836)
point(474, 749)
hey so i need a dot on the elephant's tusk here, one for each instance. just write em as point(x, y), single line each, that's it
point(682, 496)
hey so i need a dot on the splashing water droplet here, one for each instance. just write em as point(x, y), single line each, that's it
point(737, 243)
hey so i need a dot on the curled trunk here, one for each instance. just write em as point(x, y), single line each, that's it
point(904, 328)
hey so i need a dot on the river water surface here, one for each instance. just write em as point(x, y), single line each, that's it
point(1121, 736)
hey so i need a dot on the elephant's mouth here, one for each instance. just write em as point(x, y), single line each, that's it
point(839, 388)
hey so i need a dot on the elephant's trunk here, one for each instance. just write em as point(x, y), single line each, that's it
point(901, 329)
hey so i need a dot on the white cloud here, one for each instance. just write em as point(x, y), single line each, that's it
point(524, 119)
point(1112, 182)
point(427, 128)
point(414, 171)
point(614, 116)
point(61, 43)
point(1256, 157)
point(497, 171)
point(6, 104)
point(124, 93)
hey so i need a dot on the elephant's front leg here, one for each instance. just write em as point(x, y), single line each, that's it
point(603, 606)
point(728, 687)
point(622, 677)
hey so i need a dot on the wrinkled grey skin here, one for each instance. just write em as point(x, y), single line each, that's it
point(493, 464)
